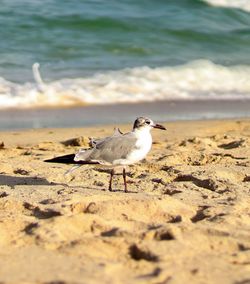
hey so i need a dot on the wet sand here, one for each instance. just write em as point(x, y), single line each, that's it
point(185, 220)
point(109, 114)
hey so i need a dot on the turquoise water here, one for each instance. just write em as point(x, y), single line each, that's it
point(74, 38)
point(140, 41)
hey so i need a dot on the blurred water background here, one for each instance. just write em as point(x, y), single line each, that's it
point(123, 51)
point(102, 52)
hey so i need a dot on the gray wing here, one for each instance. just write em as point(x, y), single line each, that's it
point(110, 149)
point(94, 142)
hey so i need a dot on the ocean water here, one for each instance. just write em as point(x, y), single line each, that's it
point(102, 52)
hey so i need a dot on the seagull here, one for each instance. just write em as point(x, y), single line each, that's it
point(116, 151)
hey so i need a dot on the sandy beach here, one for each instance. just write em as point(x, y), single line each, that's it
point(186, 218)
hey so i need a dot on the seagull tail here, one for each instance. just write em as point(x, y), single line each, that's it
point(70, 159)
point(66, 159)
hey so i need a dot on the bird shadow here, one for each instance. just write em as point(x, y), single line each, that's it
point(12, 181)
point(16, 180)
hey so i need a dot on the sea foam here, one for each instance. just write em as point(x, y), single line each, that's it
point(240, 4)
point(193, 81)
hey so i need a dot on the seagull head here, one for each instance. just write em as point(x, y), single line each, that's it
point(146, 123)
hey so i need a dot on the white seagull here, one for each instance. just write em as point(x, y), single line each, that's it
point(118, 150)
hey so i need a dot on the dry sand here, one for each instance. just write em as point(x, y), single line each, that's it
point(185, 220)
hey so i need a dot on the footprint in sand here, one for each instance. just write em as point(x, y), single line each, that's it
point(39, 213)
point(138, 253)
point(21, 172)
point(232, 144)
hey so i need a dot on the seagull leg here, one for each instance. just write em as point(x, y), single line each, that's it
point(124, 179)
point(111, 178)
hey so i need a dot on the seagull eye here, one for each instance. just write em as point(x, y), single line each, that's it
point(147, 121)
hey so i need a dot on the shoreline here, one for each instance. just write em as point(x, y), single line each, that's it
point(174, 110)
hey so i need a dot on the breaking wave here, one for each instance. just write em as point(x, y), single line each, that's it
point(200, 79)
point(240, 4)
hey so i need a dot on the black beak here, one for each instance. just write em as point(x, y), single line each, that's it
point(159, 126)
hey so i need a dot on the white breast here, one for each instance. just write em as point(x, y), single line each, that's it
point(142, 146)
